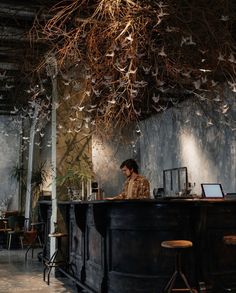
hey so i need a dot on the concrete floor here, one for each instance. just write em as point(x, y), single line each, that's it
point(20, 277)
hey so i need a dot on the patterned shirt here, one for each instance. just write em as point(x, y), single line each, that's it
point(140, 189)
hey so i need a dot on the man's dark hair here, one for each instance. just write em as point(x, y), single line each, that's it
point(130, 164)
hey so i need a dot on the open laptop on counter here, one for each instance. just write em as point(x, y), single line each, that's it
point(212, 190)
point(215, 190)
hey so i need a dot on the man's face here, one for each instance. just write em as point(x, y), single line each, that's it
point(127, 172)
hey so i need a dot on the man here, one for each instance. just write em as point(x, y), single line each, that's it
point(136, 186)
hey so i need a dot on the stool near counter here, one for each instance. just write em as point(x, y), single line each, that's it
point(230, 239)
point(178, 246)
point(57, 259)
point(229, 286)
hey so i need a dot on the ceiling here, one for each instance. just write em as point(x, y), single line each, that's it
point(19, 54)
point(17, 50)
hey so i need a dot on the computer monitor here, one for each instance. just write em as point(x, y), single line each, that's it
point(212, 190)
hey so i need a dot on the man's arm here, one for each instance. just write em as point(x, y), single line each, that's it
point(122, 195)
point(145, 189)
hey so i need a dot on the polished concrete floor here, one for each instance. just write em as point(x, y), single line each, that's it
point(19, 276)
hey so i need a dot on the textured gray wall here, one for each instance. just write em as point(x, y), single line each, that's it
point(9, 157)
point(181, 137)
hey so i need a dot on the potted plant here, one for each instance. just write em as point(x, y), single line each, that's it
point(74, 180)
point(18, 174)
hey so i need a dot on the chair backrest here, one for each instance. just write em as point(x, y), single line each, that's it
point(3, 224)
point(16, 222)
point(7, 214)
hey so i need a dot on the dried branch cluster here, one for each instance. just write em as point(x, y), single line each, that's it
point(141, 57)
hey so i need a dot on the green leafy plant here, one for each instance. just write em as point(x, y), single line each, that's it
point(75, 165)
point(74, 176)
point(17, 173)
point(39, 177)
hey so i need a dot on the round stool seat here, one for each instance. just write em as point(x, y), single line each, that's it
point(176, 244)
point(230, 239)
point(57, 235)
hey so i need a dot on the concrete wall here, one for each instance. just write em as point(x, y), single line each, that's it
point(9, 157)
point(181, 137)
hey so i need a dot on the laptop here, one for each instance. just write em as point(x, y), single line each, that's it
point(212, 190)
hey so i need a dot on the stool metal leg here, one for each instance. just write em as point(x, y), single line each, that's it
point(186, 282)
point(9, 241)
point(179, 268)
point(178, 271)
point(21, 242)
point(31, 246)
point(49, 266)
point(55, 260)
point(170, 284)
point(40, 242)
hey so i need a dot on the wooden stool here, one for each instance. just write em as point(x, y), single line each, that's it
point(230, 239)
point(178, 246)
point(53, 262)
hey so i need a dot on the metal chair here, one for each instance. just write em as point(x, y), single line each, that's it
point(37, 229)
point(16, 224)
point(3, 231)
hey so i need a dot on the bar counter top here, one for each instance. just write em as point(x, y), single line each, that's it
point(163, 200)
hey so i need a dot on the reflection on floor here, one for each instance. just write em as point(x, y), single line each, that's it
point(18, 276)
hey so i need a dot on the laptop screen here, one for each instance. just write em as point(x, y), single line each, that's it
point(212, 190)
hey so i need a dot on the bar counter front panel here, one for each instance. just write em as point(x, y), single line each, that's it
point(115, 246)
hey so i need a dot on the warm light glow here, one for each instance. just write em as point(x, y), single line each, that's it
point(200, 167)
point(104, 162)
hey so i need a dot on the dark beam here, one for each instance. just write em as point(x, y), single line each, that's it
point(11, 51)
point(4, 74)
point(9, 66)
point(14, 97)
point(23, 42)
point(13, 33)
point(11, 59)
point(19, 80)
point(26, 10)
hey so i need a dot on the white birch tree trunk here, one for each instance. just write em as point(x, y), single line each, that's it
point(54, 165)
point(28, 200)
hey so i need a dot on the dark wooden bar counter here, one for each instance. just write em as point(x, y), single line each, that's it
point(115, 246)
